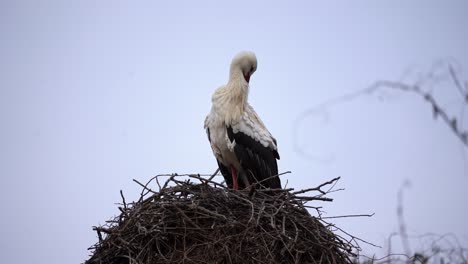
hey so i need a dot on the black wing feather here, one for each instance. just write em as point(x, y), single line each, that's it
point(225, 172)
point(256, 160)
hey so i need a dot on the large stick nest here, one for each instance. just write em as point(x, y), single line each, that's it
point(197, 220)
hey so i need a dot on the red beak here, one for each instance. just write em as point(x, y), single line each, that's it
point(247, 77)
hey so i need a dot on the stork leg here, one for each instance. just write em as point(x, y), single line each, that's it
point(244, 179)
point(235, 184)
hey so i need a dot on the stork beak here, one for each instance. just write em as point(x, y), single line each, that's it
point(247, 77)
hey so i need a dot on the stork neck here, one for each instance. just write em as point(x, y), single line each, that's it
point(232, 99)
point(235, 75)
point(238, 89)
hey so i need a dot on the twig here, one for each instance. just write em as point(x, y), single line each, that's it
point(318, 187)
point(214, 174)
point(345, 216)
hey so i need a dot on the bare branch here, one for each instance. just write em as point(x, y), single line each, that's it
point(423, 88)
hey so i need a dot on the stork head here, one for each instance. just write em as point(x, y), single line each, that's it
point(244, 64)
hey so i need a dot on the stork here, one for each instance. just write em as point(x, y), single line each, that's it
point(245, 150)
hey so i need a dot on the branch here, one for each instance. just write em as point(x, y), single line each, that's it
point(454, 123)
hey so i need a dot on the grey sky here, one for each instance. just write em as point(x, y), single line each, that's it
point(96, 93)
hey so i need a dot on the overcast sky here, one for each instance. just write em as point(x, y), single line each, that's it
point(96, 93)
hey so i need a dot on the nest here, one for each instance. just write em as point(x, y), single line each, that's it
point(197, 220)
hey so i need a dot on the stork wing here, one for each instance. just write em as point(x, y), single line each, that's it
point(256, 149)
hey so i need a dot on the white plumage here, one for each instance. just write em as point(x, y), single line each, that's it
point(245, 150)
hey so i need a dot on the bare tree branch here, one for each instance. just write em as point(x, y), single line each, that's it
point(423, 88)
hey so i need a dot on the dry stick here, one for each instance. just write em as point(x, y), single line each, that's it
point(144, 188)
point(95, 228)
point(271, 177)
point(401, 219)
point(206, 180)
point(260, 212)
point(251, 204)
point(157, 182)
point(344, 216)
point(318, 187)
point(150, 180)
point(194, 176)
point(315, 198)
point(213, 175)
point(458, 84)
point(356, 238)
point(102, 229)
point(168, 180)
point(123, 200)
point(274, 190)
point(207, 211)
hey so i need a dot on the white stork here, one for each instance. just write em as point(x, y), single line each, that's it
point(245, 150)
